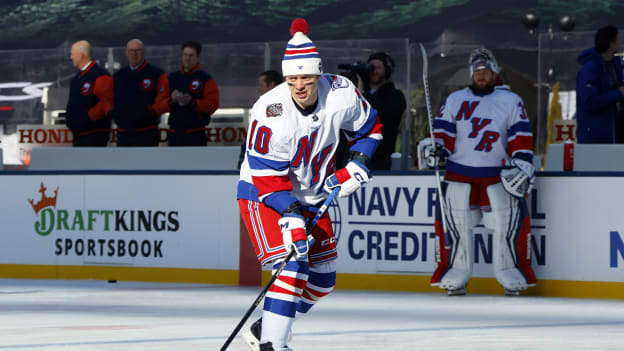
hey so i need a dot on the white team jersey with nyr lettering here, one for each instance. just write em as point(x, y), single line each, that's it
point(482, 133)
point(289, 151)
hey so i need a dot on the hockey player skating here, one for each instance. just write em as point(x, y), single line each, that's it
point(289, 162)
point(484, 130)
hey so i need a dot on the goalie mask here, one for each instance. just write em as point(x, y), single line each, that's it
point(482, 58)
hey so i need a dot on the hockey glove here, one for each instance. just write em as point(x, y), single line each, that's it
point(435, 156)
point(294, 236)
point(518, 179)
point(350, 179)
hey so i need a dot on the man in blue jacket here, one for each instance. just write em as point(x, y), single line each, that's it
point(599, 91)
point(137, 90)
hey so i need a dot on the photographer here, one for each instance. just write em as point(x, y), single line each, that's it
point(373, 78)
point(389, 102)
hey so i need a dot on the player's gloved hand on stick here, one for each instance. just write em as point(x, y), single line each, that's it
point(294, 236)
point(350, 179)
point(435, 155)
point(518, 179)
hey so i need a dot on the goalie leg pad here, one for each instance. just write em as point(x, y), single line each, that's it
point(458, 238)
point(441, 248)
point(509, 221)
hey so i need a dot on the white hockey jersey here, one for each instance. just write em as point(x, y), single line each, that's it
point(289, 151)
point(482, 133)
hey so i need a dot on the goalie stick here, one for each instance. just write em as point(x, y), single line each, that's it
point(321, 211)
point(425, 78)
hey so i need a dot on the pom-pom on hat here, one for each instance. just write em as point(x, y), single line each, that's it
point(301, 56)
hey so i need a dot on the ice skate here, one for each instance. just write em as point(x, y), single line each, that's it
point(512, 292)
point(455, 280)
point(457, 291)
point(512, 281)
point(252, 337)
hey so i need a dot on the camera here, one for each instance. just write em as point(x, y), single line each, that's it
point(357, 67)
point(353, 70)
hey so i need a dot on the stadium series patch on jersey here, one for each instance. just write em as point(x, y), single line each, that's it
point(274, 110)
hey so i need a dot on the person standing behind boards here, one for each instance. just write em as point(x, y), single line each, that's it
point(90, 99)
point(137, 89)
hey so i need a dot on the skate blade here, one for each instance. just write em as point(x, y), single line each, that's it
point(512, 293)
point(457, 292)
point(251, 341)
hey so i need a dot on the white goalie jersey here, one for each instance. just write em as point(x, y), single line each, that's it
point(482, 132)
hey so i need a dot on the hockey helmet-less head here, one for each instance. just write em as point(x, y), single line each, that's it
point(482, 58)
point(301, 56)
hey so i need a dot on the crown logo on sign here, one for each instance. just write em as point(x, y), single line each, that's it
point(45, 201)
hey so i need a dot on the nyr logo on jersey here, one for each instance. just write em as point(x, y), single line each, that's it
point(86, 88)
point(195, 85)
point(337, 82)
point(274, 110)
point(487, 137)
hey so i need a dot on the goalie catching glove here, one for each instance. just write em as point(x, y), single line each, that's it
point(349, 179)
point(518, 179)
point(294, 235)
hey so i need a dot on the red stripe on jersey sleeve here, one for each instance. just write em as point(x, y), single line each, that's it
point(271, 184)
point(449, 141)
point(520, 142)
point(376, 129)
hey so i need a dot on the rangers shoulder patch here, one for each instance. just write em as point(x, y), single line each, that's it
point(337, 82)
point(274, 110)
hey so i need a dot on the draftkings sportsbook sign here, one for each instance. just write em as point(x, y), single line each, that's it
point(50, 218)
point(147, 220)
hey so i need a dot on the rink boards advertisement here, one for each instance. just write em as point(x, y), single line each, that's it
point(577, 231)
point(387, 230)
point(151, 221)
point(185, 227)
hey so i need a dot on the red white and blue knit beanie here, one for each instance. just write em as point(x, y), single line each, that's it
point(301, 56)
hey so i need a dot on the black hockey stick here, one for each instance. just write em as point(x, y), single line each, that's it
point(321, 211)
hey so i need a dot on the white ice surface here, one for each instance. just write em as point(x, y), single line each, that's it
point(95, 315)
